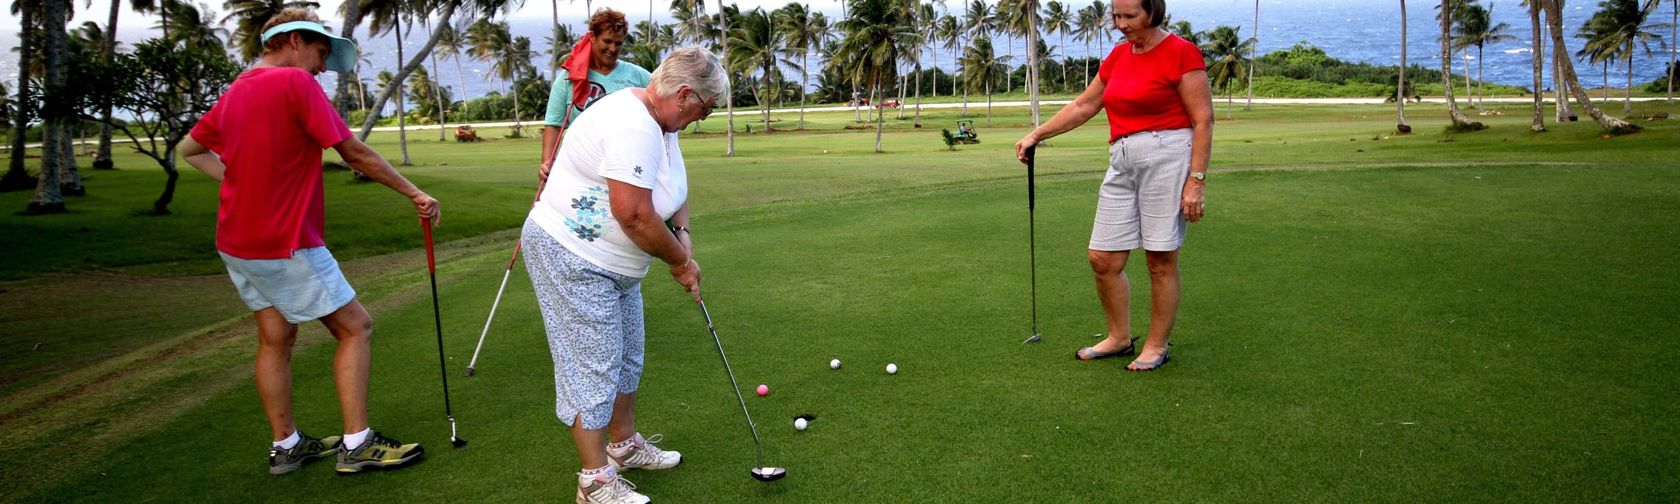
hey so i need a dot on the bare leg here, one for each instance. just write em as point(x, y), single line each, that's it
point(591, 447)
point(1163, 302)
point(623, 423)
point(353, 328)
point(1116, 296)
point(274, 369)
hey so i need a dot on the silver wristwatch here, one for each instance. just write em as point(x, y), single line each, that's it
point(1200, 176)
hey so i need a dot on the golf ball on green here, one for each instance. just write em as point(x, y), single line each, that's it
point(763, 390)
point(834, 364)
point(800, 424)
point(892, 368)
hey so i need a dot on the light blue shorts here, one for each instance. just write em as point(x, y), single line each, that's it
point(306, 287)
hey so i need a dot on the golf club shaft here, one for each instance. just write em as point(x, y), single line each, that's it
point(1032, 239)
point(437, 319)
point(758, 457)
point(517, 245)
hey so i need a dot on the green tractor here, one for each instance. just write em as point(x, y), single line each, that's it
point(965, 134)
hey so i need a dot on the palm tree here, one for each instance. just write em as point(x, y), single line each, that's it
point(723, 15)
point(560, 41)
point(1566, 70)
point(445, 12)
point(1229, 52)
point(949, 32)
point(981, 67)
point(351, 15)
point(1029, 27)
point(754, 45)
point(16, 177)
point(977, 22)
point(1560, 87)
point(194, 24)
point(1600, 47)
point(388, 16)
point(248, 17)
point(1476, 28)
point(1537, 57)
point(1253, 57)
point(48, 197)
point(1624, 21)
point(878, 36)
point(805, 30)
point(512, 63)
point(102, 160)
point(451, 45)
point(1459, 120)
point(1057, 21)
point(1089, 29)
point(1400, 90)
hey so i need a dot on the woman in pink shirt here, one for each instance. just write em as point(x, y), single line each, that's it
point(1154, 87)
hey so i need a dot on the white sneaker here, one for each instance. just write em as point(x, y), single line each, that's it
point(617, 491)
point(642, 454)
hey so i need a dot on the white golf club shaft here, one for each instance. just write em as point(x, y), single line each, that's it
point(492, 318)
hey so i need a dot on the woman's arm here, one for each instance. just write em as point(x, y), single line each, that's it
point(1198, 103)
point(632, 207)
point(201, 157)
point(1082, 109)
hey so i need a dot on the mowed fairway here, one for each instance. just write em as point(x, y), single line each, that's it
point(1365, 318)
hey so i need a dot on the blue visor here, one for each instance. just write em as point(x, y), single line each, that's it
point(343, 57)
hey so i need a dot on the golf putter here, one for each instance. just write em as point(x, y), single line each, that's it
point(1032, 245)
point(759, 471)
point(437, 318)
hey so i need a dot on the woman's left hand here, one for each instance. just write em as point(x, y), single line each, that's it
point(1194, 203)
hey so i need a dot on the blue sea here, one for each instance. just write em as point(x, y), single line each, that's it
point(1350, 30)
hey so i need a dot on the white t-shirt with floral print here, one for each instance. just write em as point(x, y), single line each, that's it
point(616, 138)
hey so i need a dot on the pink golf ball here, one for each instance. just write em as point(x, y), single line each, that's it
point(763, 390)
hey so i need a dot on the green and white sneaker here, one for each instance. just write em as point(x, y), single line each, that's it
point(282, 461)
point(638, 453)
point(377, 451)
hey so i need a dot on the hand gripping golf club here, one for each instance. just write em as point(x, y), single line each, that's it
point(759, 471)
point(1032, 245)
point(499, 290)
point(473, 364)
point(437, 317)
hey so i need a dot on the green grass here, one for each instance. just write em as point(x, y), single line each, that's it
point(1366, 317)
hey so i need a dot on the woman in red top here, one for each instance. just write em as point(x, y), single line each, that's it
point(1154, 87)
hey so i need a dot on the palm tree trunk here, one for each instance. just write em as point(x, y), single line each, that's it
point(1554, 19)
point(875, 92)
point(1253, 56)
point(352, 17)
point(16, 176)
point(554, 9)
point(48, 197)
point(988, 104)
point(1539, 56)
point(1469, 90)
point(900, 107)
point(1627, 99)
point(1606, 86)
point(1030, 11)
point(407, 68)
point(1067, 86)
point(767, 94)
point(462, 77)
point(102, 160)
point(728, 98)
point(804, 84)
point(919, 94)
point(1400, 93)
point(437, 94)
point(1481, 79)
point(1673, 38)
point(402, 116)
point(1457, 116)
point(1560, 89)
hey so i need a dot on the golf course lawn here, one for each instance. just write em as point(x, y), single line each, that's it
point(1366, 317)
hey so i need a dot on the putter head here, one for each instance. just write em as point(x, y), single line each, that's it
point(769, 474)
point(469, 371)
point(457, 442)
point(1031, 339)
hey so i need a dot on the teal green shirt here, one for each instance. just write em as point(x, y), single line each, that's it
point(625, 75)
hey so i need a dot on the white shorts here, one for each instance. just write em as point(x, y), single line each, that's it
point(1139, 203)
point(305, 287)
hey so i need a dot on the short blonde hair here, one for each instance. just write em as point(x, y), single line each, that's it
point(288, 15)
point(694, 67)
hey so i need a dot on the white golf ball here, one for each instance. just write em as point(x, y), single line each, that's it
point(834, 364)
point(892, 368)
point(800, 424)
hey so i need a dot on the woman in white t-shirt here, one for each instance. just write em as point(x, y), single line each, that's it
point(618, 179)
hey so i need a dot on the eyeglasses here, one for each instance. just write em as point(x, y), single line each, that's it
point(707, 111)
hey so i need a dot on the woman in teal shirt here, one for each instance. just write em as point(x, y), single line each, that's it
point(603, 44)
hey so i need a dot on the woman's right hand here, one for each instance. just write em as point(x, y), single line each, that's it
point(688, 276)
point(1027, 142)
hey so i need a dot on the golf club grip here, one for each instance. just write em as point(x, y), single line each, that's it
point(1031, 154)
point(426, 228)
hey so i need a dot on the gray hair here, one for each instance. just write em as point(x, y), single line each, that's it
point(694, 67)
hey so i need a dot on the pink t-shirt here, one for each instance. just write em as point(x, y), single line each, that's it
point(270, 128)
point(1140, 91)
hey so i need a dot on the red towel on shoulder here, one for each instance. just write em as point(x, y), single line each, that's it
point(577, 69)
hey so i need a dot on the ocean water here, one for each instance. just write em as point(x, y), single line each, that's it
point(1350, 30)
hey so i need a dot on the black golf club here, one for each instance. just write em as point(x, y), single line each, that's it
point(1032, 245)
point(759, 471)
point(437, 317)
